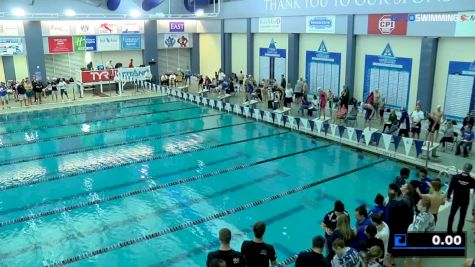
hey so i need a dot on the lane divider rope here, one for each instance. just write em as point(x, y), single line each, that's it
point(146, 159)
point(87, 149)
point(95, 120)
point(152, 188)
point(48, 115)
point(130, 126)
point(206, 219)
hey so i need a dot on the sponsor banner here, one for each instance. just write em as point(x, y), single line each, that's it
point(466, 24)
point(386, 25)
point(9, 28)
point(131, 42)
point(95, 76)
point(131, 27)
point(60, 44)
point(11, 46)
point(108, 43)
point(320, 24)
point(273, 24)
point(107, 28)
point(85, 43)
point(177, 26)
point(137, 73)
point(59, 28)
point(176, 40)
point(85, 28)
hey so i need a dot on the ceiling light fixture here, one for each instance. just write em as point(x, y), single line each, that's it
point(135, 13)
point(70, 13)
point(18, 12)
point(199, 12)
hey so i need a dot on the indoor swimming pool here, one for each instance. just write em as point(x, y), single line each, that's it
point(149, 182)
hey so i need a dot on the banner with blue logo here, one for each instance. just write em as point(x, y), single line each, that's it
point(130, 42)
point(320, 24)
point(390, 75)
point(460, 82)
point(323, 69)
point(272, 62)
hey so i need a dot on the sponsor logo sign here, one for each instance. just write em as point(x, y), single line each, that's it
point(108, 43)
point(273, 24)
point(177, 26)
point(385, 25)
point(60, 44)
point(85, 43)
point(320, 24)
point(95, 76)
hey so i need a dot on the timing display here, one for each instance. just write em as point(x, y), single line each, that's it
point(436, 244)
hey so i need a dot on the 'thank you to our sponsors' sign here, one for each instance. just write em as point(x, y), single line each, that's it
point(177, 26)
point(273, 24)
point(131, 42)
point(320, 24)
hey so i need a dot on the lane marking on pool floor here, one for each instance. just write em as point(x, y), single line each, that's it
point(130, 126)
point(206, 219)
point(109, 188)
point(129, 220)
point(151, 102)
point(97, 120)
point(155, 187)
point(144, 139)
point(146, 159)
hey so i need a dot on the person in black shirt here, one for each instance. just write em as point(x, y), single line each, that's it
point(283, 82)
point(329, 225)
point(217, 263)
point(230, 256)
point(460, 186)
point(403, 176)
point(257, 253)
point(371, 241)
point(38, 89)
point(314, 257)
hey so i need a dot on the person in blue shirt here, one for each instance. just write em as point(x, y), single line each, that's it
point(362, 221)
point(187, 76)
point(467, 140)
point(379, 206)
point(3, 95)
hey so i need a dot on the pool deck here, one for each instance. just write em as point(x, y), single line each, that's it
point(444, 158)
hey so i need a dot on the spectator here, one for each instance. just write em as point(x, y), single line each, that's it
point(29, 91)
point(392, 123)
point(313, 106)
point(256, 252)
point(408, 197)
point(109, 65)
point(283, 82)
point(38, 89)
point(372, 258)
point(230, 256)
point(298, 90)
point(467, 140)
point(436, 198)
point(221, 76)
point(404, 123)
point(423, 184)
point(22, 93)
point(62, 88)
point(188, 76)
point(449, 134)
point(131, 63)
point(466, 121)
point(288, 95)
point(383, 230)
point(344, 255)
point(342, 231)
point(362, 221)
point(424, 222)
point(314, 257)
point(460, 186)
point(305, 105)
point(369, 109)
point(3, 95)
point(329, 222)
point(379, 206)
point(240, 78)
point(403, 176)
point(416, 118)
point(371, 241)
point(344, 98)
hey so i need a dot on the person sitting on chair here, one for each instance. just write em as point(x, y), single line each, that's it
point(342, 112)
point(467, 141)
point(392, 123)
point(449, 135)
point(304, 105)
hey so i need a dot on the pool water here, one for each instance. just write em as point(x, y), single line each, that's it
point(149, 182)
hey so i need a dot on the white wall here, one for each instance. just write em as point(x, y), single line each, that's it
point(239, 52)
point(210, 53)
